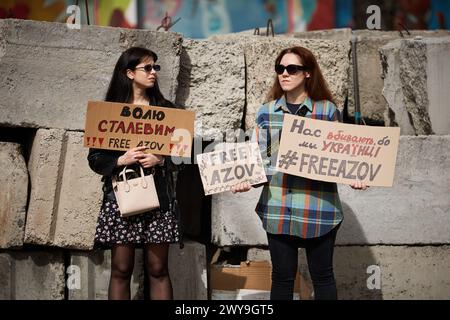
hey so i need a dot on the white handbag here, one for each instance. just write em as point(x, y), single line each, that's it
point(136, 195)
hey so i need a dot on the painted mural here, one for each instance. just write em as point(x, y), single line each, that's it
point(203, 18)
point(32, 9)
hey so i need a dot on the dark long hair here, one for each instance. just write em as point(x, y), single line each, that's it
point(121, 87)
point(316, 87)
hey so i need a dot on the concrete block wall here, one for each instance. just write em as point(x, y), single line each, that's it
point(187, 269)
point(52, 199)
point(373, 104)
point(94, 271)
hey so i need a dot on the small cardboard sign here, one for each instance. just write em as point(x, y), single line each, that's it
point(232, 164)
point(337, 152)
point(121, 126)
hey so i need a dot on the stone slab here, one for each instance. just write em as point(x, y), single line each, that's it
point(44, 166)
point(94, 271)
point(13, 195)
point(212, 83)
point(187, 269)
point(80, 197)
point(32, 275)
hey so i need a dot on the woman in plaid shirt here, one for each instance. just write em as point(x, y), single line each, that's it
point(295, 211)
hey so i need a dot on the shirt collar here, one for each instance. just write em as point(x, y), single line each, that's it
point(281, 104)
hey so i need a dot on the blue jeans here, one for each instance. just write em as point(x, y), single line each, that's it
point(319, 254)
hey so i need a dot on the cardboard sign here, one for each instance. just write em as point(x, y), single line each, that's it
point(250, 280)
point(337, 152)
point(232, 164)
point(121, 126)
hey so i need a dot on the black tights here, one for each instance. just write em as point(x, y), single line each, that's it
point(319, 254)
point(156, 264)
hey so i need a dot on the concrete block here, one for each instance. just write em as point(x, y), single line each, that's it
point(66, 194)
point(384, 272)
point(73, 63)
point(416, 73)
point(234, 221)
point(33, 275)
point(372, 103)
point(5, 279)
point(405, 272)
point(329, 34)
point(212, 83)
point(94, 271)
point(187, 269)
point(45, 166)
point(80, 197)
point(260, 56)
point(414, 211)
point(13, 195)
point(258, 254)
point(404, 73)
point(438, 79)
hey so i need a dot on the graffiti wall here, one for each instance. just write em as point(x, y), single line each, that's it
point(203, 18)
point(32, 9)
point(117, 13)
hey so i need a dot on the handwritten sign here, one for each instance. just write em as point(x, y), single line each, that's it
point(121, 126)
point(231, 164)
point(337, 152)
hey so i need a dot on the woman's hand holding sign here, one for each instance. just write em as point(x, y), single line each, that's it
point(149, 160)
point(359, 185)
point(241, 187)
point(135, 155)
point(132, 156)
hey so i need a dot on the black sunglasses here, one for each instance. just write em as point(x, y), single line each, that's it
point(150, 67)
point(291, 69)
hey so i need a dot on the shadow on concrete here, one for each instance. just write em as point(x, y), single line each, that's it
point(352, 258)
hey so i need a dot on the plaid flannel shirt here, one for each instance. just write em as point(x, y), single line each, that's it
point(289, 204)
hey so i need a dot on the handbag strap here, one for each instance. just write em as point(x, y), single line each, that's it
point(124, 172)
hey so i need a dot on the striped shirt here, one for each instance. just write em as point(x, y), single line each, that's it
point(289, 204)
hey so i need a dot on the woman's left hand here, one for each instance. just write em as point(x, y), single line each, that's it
point(359, 185)
point(149, 160)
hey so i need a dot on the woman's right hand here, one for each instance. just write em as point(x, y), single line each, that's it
point(131, 156)
point(241, 187)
